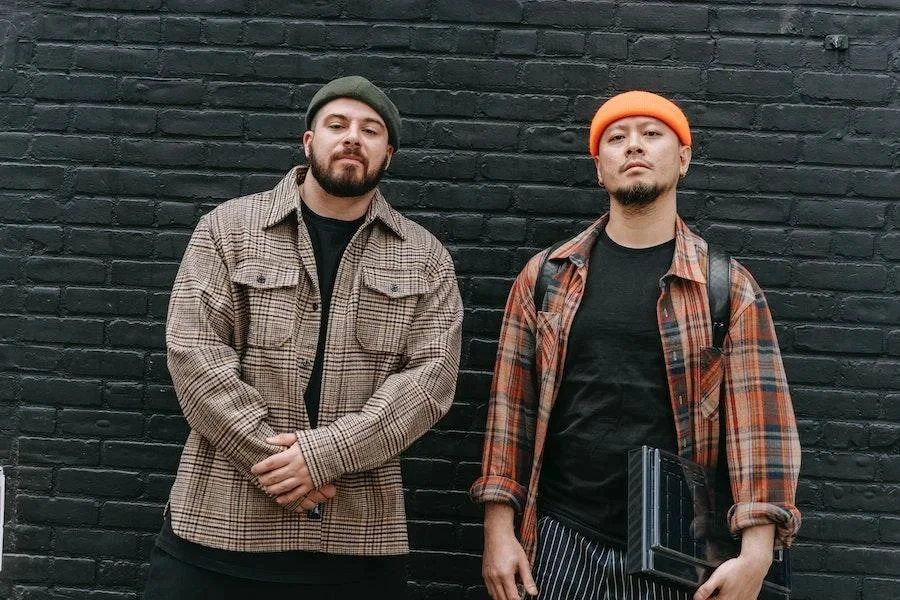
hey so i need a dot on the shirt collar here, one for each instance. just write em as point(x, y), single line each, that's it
point(286, 199)
point(685, 262)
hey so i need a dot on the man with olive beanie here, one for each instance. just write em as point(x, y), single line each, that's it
point(313, 334)
point(615, 355)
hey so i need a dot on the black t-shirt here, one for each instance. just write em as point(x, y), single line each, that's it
point(329, 240)
point(614, 394)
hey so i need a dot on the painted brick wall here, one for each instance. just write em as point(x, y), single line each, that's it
point(122, 121)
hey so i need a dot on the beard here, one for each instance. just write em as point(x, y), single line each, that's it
point(637, 196)
point(345, 183)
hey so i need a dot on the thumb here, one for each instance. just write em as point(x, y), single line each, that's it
point(282, 439)
point(706, 590)
point(525, 574)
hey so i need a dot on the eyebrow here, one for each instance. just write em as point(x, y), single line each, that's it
point(346, 118)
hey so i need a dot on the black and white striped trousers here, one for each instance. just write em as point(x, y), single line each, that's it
point(571, 566)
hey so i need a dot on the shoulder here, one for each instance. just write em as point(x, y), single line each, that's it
point(245, 212)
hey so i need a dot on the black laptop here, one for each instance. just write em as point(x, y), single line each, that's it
point(677, 524)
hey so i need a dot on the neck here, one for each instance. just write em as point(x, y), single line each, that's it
point(642, 226)
point(335, 207)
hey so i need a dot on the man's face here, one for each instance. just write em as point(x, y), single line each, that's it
point(347, 147)
point(639, 159)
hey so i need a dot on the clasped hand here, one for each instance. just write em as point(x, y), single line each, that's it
point(285, 476)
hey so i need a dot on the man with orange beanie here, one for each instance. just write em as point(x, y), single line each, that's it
point(615, 354)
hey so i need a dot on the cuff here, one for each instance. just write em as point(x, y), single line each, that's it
point(749, 514)
point(319, 452)
point(494, 488)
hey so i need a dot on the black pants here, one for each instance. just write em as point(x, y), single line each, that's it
point(173, 579)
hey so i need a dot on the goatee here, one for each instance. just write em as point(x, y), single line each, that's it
point(345, 183)
point(638, 195)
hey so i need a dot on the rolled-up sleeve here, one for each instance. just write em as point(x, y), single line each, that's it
point(762, 441)
point(509, 434)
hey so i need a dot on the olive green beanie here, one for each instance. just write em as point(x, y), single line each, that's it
point(358, 88)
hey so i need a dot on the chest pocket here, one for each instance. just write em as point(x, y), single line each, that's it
point(269, 290)
point(386, 307)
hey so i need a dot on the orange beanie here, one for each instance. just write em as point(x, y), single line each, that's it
point(638, 104)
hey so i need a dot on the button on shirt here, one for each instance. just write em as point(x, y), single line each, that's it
point(241, 336)
point(761, 433)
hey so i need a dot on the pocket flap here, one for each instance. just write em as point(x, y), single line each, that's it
point(395, 283)
point(259, 273)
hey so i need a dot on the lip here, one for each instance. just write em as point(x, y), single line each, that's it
point(354, 158)
point(636, 164)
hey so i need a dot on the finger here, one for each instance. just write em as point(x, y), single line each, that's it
point(295, 494)
point(705, 591)
point(316, 496)
point(308, 504)
point(328, 490)
point(273, 462)
point(509, 586)
point(525, 575)
point(282, 439)
point(283, 487)
point(280, 474)
point(493, 589)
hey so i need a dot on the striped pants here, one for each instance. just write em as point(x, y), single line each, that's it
point(571, 566)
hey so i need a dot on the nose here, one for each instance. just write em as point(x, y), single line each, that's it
point(352, 136)
point(634, 143)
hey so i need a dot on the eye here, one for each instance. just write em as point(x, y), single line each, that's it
point(652, 132)
point(370, 131)
point(335, 126)
point(616, 137)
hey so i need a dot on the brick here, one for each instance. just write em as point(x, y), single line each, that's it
point(154, 152)
point(517, 43)
point(870, 309)
point(743, 20)
point(162, 91)
point(14, 145)
point(33, 419)
point(133, 516)
point(804, 180)
point(481, 73)
point(119, 573)
point(844, 86)
point(823, 22)
point(49, 390)
point(116, 59)
point(523, 107)
point(143, 274)
point(110, 242)
point(33, 239)
point(652, 48)
point(97, 543)
point(442, 165)
point(877, 122)
point(560, 76)
point(840, 214)
point(105, 301)
point(92, 423)
point(278, 65)
point(854, 244)
point(787, 117)
point(846, 152)
point(868, 561)
point(870, 373)
point(140, 29)
point(201, 123)
point(62, 331)
point(251, 95)
point(758, 83)
point(32, 538)
point(878, 184)
point(77, 27)
point(446, 103)
point(79, 148)
point(811, 586)
point(94, 482)
point(501, 11)
point(131, 333)
point(141, 455)
point(671, 80)
point(726, 115)
point(61, 269)
point(73, 570)
point(581, 14)
point(53, 56)
point(54, 86)
point(168, 428)
point(750, 147)
point(562, 43)
point(468, 135)
point(842, 276)
point(58, 451)
point(31, 177)
point(115, 119)
point(856, 340)
point(881, 588)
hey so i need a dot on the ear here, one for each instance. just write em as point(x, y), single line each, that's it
point(684, 157)
point(307, 141)
point(596, 160)
point(390, 154)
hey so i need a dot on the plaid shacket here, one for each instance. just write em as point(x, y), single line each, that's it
point(242, 332)
point(761, 433)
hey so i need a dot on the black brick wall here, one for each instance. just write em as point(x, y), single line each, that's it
point(122, 121)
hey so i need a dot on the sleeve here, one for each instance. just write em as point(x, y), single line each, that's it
point(762, 441)
point(204, 366)
point(409, 402)
point(512, 409)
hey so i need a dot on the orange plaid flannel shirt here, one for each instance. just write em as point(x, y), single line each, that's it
point(761, 432)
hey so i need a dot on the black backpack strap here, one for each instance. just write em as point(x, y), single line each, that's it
point(718, 290)
point(546, 272)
